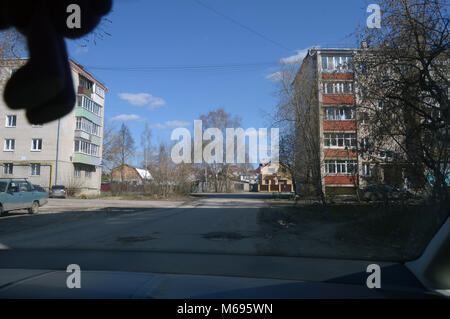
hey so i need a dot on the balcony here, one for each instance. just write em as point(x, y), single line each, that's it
point(86, 159)
point(339, 125)
point(337, 76)
point(338, 99)
point(330, 153)
point(341, 180)
point(85, 91)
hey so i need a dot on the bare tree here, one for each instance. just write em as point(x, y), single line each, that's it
point(218, 173)
point(297, 116)
point(125, 145)
point(110, 150)
point(146, 144)
point(404, 76)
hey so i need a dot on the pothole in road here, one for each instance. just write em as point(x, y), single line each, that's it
point(134, 239)
point(219, 236)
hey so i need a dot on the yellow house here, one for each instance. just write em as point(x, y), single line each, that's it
point(274, 178)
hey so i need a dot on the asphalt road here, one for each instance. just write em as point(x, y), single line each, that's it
point(212, 224)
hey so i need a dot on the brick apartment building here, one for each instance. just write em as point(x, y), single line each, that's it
point(339, 124)
point(67, 151)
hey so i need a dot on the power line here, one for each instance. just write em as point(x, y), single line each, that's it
point(192, 67)
point(232, 20)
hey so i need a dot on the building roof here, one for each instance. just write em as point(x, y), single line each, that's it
point(143, 173)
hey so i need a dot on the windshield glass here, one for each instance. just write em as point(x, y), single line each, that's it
point(283, 128)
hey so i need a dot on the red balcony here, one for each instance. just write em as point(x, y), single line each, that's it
point(345, 125)
point(339, 153)
point(341, 180)
point(83, 90)
point(338, 99)
point(337, 76)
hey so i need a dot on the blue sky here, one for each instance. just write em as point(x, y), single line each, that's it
point(184, 33)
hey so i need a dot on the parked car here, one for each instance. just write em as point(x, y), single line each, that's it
point(384, 191)
point(59, 191)
point(16, 194)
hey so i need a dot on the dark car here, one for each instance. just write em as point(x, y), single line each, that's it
point(40, 188)
point(384, 192)
point(58, 191)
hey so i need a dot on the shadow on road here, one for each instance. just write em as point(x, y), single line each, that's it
point(243, 195)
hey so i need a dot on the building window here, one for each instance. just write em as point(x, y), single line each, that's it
point(77, 171)
point(386, 154)
point(87, 174)
point(11, 120)
point(86, 148)
point(364, 117)
point(85, 125)
point(336, 64)
point(366, 170)
point(8, 168)
point(338, 87)
point(88, 104)
point(85, 83)
point(35, 169)
point(36, 144)
point(99, 91)
point(365, 144)
point(340, 166)
point(339, 113)
point(339, 140)
point(10, 145)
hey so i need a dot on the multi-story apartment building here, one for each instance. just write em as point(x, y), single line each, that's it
point(65, 152)
point(326, 81)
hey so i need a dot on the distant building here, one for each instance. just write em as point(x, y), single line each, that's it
point(65, 152)
point(274, 178)
point(131, 175)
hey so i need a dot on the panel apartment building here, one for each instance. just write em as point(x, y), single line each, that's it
point(340, 124)
point(64, 152)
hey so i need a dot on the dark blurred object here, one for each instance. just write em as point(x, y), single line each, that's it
point(43, 86)
point(384, 191)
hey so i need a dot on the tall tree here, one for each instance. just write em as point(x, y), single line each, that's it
point(146, 144)
point(217, 173)
point(126, 149)
point(404, 74)
point(297, 116)
point(110, 148)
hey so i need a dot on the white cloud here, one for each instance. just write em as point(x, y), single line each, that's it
point(274, 76)
point(170, 124)
point(126, 118)
point(141, 99)
point(297, 58)
point(81, 49)
point(176, 124)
